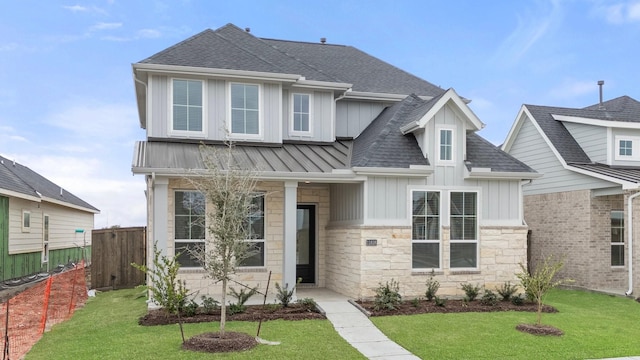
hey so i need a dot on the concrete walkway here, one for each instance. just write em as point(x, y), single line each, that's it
point(354, 326)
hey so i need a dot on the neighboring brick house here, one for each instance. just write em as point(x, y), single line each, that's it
point(42, 225)
point(369, 173)
point(590, 162)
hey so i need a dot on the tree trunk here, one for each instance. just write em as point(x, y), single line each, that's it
point(539, 316)
point(223, 308)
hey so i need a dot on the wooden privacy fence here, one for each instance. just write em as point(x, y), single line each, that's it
point(112, 252)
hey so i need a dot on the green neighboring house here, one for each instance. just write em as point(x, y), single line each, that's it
point(41, 224)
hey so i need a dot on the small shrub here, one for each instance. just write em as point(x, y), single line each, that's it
point(517, 300)
point(189, 309)
point(285, 295)
point(272, 307)
point(209, 304)
point(432, 286)
point(440, 301)
point(308, 303)
point(242, 296)
point(489, 298)
point(415, 302)
point(507, 290)
point(471, 291)
point(387, 296)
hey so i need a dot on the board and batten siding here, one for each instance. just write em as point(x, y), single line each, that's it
point(387, 199)
point(321, 108)
point(530, 148)
point(352, 116)
point(346, 203)
point(592, 139)
point(216, 114)
point(499, 201)
point(445, 174)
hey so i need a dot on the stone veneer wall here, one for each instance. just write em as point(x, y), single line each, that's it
point(577, 226)
point(355, 269)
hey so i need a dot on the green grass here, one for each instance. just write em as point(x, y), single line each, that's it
point(106, 328)
point(595, 326)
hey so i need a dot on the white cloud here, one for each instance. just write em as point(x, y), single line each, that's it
point(620, 12)
point(530, 29)
point(570, 89)
point(105, 26)
point(84, 9)
point(148, 34)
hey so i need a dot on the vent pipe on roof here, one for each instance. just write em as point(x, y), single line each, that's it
point(60, 191)
point(600, 83)
point(14, 162)
point(247, 29)
point(323, 40)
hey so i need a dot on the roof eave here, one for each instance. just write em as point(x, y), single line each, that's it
point(597, 122)
point(20, 195)
point(361, 95)
point(626, 185)
point(69, 205)
point(509, 175)
point(413, 171)
point(200, 71)
point(324, 85)
point(337, 175)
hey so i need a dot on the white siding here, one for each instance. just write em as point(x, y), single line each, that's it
point(530, 148)
point(614, 146)
point(592, 139)
point(450, 174)
point(499, 201)
point(19, 241)
point(322, 116)
point(158, 115)
point(387, 199)
point(346, 203)
point(354, 116)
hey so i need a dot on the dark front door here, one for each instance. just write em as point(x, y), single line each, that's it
point(306, 243)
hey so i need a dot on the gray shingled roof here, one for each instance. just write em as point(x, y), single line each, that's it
point(483, 154)
point(299, 158)
point(623, 109)
point(624, 174)
point(229, 47)
point(18, 178)
point(382, 144)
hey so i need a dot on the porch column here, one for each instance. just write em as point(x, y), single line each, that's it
point(160, 214)
point(289, 246)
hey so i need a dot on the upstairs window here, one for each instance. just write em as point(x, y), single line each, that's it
point(445, 145)
point(464, 229)
point(627, 148)
point(245, 113)
point(301, 119)
point(187, 105)
point(617, 238)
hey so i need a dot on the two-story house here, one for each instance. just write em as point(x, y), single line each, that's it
point(582, 209)
point(42, 225)
point(369, 173)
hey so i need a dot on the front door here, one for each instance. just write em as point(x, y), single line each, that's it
point(306, 243)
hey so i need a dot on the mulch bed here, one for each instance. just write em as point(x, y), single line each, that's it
point(252, 313)
point(451, 306)
point(214, 343)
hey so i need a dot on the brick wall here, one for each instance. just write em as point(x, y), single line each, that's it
point(577, 226)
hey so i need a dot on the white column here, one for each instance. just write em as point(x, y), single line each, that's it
point(289, 248)
point(160, 214)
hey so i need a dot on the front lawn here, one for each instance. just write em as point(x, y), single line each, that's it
point(595, 326)
point(107, 328)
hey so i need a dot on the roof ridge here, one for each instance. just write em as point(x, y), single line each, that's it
point(302, 42)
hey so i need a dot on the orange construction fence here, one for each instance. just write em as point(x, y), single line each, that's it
point(25, 317)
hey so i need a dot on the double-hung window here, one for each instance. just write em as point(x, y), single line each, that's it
point(425, 233)
point(617, 238)
point(301, 115)
point(255, 228)
point(445, 146)
point(187, 106)
point(245, 109)
point(189, 225)
point(464, 229)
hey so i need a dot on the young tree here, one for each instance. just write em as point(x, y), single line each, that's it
point(538, 283)
point(229, 189)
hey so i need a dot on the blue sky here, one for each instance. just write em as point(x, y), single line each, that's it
point(67, 105)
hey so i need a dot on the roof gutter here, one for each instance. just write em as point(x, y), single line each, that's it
point(200, 71)
point(630, 221)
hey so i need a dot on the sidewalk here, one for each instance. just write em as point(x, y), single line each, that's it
point(354, 326)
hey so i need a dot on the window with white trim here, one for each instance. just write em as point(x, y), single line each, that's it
point(463, 244)
point(445, 145)
point(425, 229)
point(256, 228)
point(189, 225)
point(245, 109)
point(187, 112)
point(301, 114)
point(617, 238)
point(627, 148)
point(26, 221)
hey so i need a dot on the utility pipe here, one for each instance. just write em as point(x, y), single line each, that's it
point(630, 220)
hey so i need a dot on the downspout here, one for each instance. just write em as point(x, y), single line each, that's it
point(630, 220)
